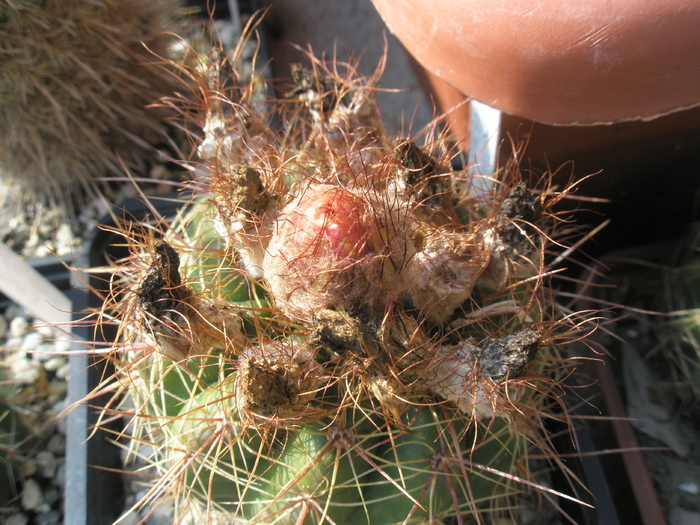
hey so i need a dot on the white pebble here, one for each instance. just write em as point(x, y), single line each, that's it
point(63, 372)
point(129, 519)
point(18, 327)
point(57, 444)
point(64, 239)
point(28, 468)
point(48, 333)
point(26, 371)
point(52, 495)
point(42, 352)
point(13, 311)
point(32, 341)
point(60, 478)
point(62, 422)
point(17, 519)
point(48, 518)
point(14, 342)
point(57, 391)
point(47, 427)
point(33, 498)
point(62, 344)
point(690, 487)
point(54, 363)
point(46, 462)
point(43, 250)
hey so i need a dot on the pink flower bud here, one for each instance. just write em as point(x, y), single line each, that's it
point(337, 248)
point(335, 219)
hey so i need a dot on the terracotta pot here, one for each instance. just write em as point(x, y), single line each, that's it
point(586, 62)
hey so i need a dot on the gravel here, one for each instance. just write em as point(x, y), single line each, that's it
point(35, 388)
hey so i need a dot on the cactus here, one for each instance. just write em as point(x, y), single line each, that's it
point(334, 330)
point(15, 433)
point(681, 299)
point(77, 78)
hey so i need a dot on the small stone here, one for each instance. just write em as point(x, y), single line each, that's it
point(65, 239)
point(47, 333)
point(43, 250)
point(60, 478)
point(33, 497)
point(43, 352)
point(18, 327)
point(14, 342)
point(632, 333)
point(680, 516)
point(28, 468)
point(13, 311)
point(48, 518)
point(162, 514)
point(26, 371)
point(130, 499)
point(63, 371)
point(4, 327)
point(32, 341)
point(47, 427)
point(690, 487)
point(61, 423)
point(57, 390)
point(62, 344)
point(129, 519)
point(54, 363)
point(57, 445)
point(52, 495)
point(17, 519)
point(46, 461)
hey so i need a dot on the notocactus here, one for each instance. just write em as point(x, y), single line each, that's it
point(77, 81)
point(14, 433)
point(332, 331)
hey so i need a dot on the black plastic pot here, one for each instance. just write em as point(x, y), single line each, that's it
point(94, 493)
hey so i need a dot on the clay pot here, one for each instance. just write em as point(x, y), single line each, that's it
point(554, 62)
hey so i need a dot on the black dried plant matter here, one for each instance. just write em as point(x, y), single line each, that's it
point(510, 355)
point(76, 80)
point(174, 317)
point(519, 211)
point(161, 291)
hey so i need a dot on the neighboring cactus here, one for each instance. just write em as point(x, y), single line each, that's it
point(14, 435)
point(76, 81)
point(681, 291)
point(328, 333)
